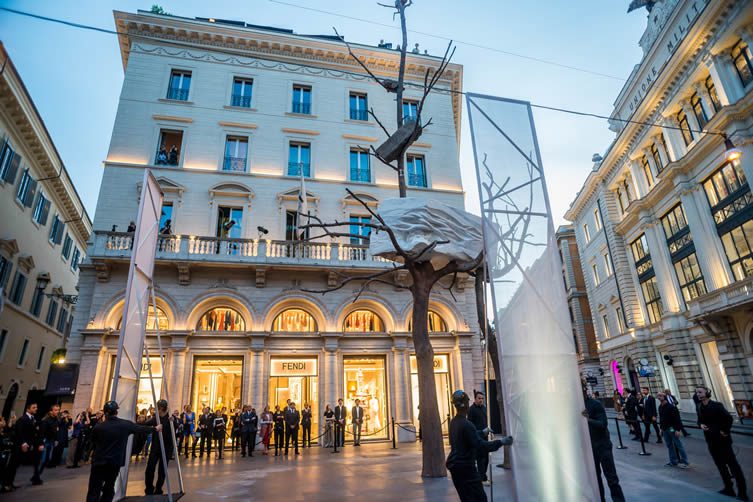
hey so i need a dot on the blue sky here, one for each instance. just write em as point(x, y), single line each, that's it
point(74, 76)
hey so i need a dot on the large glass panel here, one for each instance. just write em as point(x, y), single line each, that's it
point(145, 399)
point(444, 389)
point(221, 319)
point(416, 171)
point(360, 169)
point(152, 320)
point(357, 229)
point(242, 89)
point(365, 380)
point(295, 321)
point(435, 321)
point(217, 383)
point(236, 152)
point(299, 159)
point(363, 321)
point(358, 107)
point(166, 218)
point(229, 222)
point(296, 380)
point(169, 147)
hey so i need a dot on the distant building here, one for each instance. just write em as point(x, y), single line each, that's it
point(43, 233)
point(664, 222)
point(227, 116)
point(580, 311)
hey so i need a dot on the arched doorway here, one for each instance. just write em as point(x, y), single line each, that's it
point(10, 401)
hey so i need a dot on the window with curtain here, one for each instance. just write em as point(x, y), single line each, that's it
point(363, 321)
point(294, 321)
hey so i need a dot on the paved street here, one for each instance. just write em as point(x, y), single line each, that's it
point(377, 471)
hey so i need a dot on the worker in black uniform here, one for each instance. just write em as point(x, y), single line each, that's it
point(206, 422)
point(292, 421)
point(166, 437)
point(601, 447)
point(249, 423)
point(716, 423)
point(109, 440)
point(465, 443)
point(279, 420)
point(477, 416)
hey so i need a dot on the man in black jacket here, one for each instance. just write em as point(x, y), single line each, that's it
point(48, 432)
point(631, 414)
point(465, 443)
point(601, 446)
point(477, 416)
point(206, 422)
point(647, 412)
point(356, 417)
point(28, 444)
point(292, 420)
point(249, 425)
point(340, 415)
point(166, 437)
point(671, 427)
point(716, 423)
point(109, 439)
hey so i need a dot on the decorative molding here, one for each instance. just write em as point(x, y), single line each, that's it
point(306, 132)
point(173, 118)
point(26, 263)
point(356, 137)
point(261, 277)
point(184, 273)
point(421, 145)
point(9, 247)
point(103, 270)
point(239, 125)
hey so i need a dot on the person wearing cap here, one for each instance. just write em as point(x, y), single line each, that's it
point(465, 445)
point(166, 437)
point(109, 438)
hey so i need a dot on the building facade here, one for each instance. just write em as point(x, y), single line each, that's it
point(230, 117)
point(664, 220)
point(43, 235)
point(584, 336)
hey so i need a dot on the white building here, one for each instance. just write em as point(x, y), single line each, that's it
point(247, 108)
point(664, 221)
point(43, 233)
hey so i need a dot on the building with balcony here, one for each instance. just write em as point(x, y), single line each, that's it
point(664, 221)
point(43, 236)
point(230, 117)
point(584, 336)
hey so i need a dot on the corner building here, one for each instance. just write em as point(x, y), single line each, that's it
point(227, 115)
point(664, 222)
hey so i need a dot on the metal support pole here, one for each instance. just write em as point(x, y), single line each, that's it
point(159, 421)
point(337, 436)
point(394, 433)
point(619, 434)
point(643, 452)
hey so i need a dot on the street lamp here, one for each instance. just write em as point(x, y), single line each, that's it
point(43, 280)
point(730, 150)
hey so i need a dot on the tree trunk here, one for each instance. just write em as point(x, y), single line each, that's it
point(431, 424)
point(399, 99)
point(492, 347)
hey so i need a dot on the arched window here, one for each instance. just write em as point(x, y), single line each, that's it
point(363, 321)
point(435, 322)
point(152, 320)
point(221, 319)
point(294, 320)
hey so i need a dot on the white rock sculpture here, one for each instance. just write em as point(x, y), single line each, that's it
point(419, 223)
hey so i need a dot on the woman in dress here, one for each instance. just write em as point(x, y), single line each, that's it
point(266, 430)
point(189, 430)
point(329, 420)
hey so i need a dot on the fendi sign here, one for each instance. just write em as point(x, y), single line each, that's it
point(441, 364)
point(293, 367)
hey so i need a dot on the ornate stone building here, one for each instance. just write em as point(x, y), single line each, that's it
point(664, 221)
point(227, 115)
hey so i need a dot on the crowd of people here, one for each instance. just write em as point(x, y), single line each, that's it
point(641, 413)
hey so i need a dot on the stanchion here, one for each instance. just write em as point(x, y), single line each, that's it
point(619, 434)
point(337, 436)
point(394, 434)
point(643, 445)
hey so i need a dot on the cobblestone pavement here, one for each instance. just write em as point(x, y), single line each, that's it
point(378, 472)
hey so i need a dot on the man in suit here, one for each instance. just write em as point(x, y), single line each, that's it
point(206, 424)
point(292, 420)
point(28, 444)
point(340, 416)
point(648, 413)
point(601, 446)
point(166, 437)
point(477, 416)
point(356, 418)
point(249, 426)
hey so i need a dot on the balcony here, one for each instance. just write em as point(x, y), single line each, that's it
point(177, 94)
point(722, 301)
point(237, 164)
point(241, 101)
point(294, 169)
point(302, 108)
point(184, 248)
point(358, 114)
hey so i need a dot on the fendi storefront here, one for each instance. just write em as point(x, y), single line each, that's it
point(226, 360)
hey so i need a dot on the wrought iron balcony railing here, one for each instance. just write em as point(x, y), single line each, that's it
point(177, 94)
point(242, 101)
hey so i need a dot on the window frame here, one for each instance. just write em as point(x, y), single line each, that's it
point(716, 103)
point(595, 274)
point(10, 161)
point(40, 358)
point(234, 163)
point(242, 100)
point(359, 229)
point(300, 146)
point(312, 319)
point(647, 172)
point(23, 356)
point(358, 113)
point(179, 92)
point(687, 134)
point(696, 103)
point(65, 252)
point(15, 296)
point(597, 220)
point(41, 211)
point(744, 55)
point(410, 160)
point(587, 233)
point(608, 264)
point(300, 106)
point(605, 325)
point(360, 155)
point(4, 336)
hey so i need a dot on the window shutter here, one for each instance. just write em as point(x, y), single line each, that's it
point(45, 212)
point(31, 192)
point(59, 233)
point(10, 174)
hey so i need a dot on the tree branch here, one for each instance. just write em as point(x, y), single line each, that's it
point(373, 115)
point(348, 280)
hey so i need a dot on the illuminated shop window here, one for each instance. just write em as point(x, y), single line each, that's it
point(435, 321)
point(294, 320)
point(363, 321)
point(221, 319)
point(152, 320)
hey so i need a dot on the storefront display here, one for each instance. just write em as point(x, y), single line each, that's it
point(435, 323)
point(295, 321)
point(217, 383)
point(221, 319)
point(297, 380)
point(441, 380)
point(365, 380)
point(363, 321)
